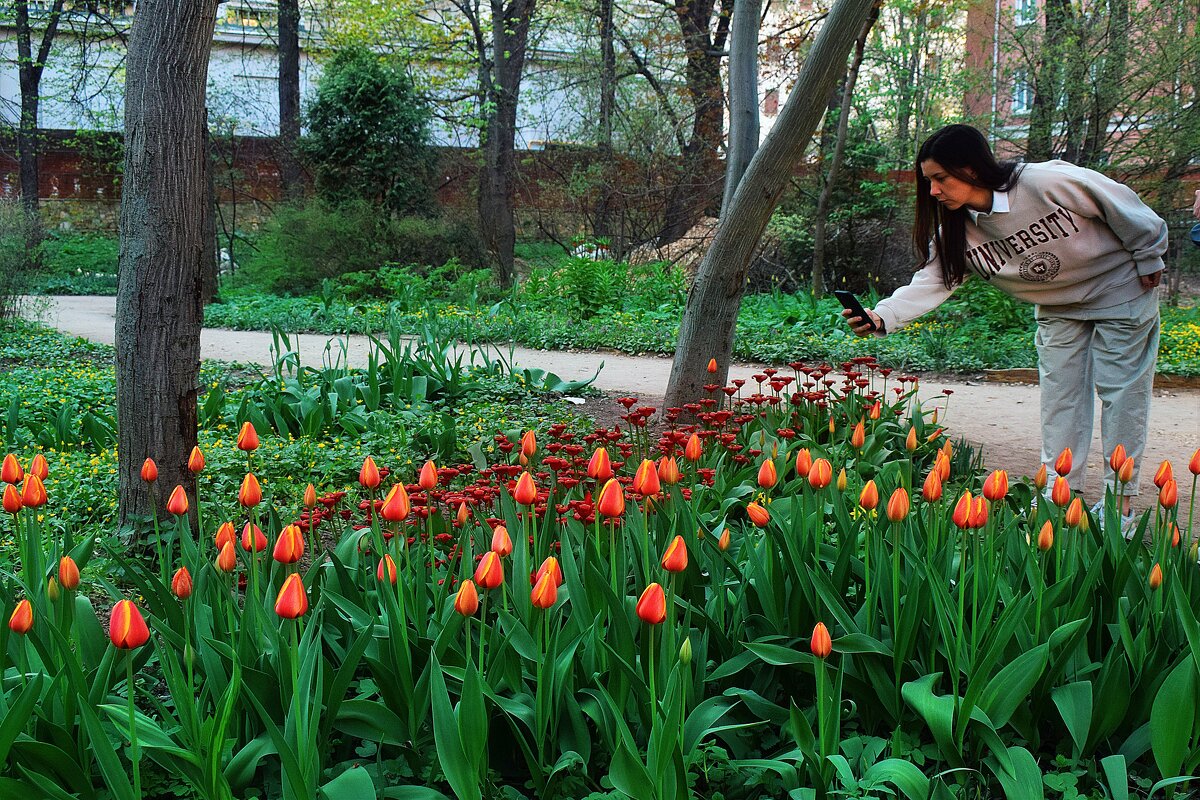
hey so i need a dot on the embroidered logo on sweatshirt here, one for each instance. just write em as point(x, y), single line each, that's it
point(988, 258)
point(1040, 267)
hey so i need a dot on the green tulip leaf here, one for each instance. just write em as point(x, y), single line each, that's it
point(1172, 717)
point(353, 784)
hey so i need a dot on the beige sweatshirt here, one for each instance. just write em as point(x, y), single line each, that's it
point(1066, 238)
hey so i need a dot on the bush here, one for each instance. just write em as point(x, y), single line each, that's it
point(79, 264)
point(17, 261)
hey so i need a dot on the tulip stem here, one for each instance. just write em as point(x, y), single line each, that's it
point(482, 631)
point(133, 742)
point(162, 566)
point(653, 692)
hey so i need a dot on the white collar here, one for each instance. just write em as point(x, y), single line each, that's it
point(999, 206)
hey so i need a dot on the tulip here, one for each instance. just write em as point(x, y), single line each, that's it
point(868, 498)
point(490, 572)
point(396, 504)
point(712, 366)
point(225, 533)
point(289, 547)
point(68, 573)
point(723, 541)
point(1117, 458)
point(821, 474)
point(466, 600)
point(859, 435)
point(181, 583)
point(39, 467)
point(126, 627)
point(253, 538)
point(942, 464)
point(1174, 535)
point(995, 488)
point(250, 493)
point(247, 438)
point(33, 494)
point(1163, 474)
point(1062, 464)
point(22, 618)
point(1156, 578)
point(758, 515)
point(910, 441)
point(611, 502)
point(386, 564)
point(931, 490)
point(832, 425)
point(1040, 478)
point(1045, 538)
point(177, 503)
point(310, 496)
point(645, 480)
point(685, 652)
point(898, 504)
point(675, 559)
point(428, 477)
point(652, 605)
point(979, 513)
point(149, 471)
point(549, 567)
point(12, 471)
point(1168, 494)
point(1074, 513)
point(1060, 495)
point(668, 471)
point(528, 444)
point(545, 592)
point(292, 601)
point(227, 558)
point(52, 590)
point(1125, 475)
point(195, 463)
point(767, 476)
point(525, 493)
point(841, 481)
point(12, 499)
point(368, 474)
point(876, 410)
point(1194, 464)
point(962, 512)
point(821, 645)
point(803, 462)
point(600, 467)
point(501, 543)
point(694, 448)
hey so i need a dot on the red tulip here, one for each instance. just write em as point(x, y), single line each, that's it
point(21, 620)
point(645, 480)
point(247, 438)
point(490, 572)
point(289, 547)
point(386, 564)
point(253, 538)
point(33, 493)
point(427, 478)
point(525, 493)
point(126, 628)
point(1168, 494)
point(39, 467)
point(962, 512)
point(149, 471)
point(675, 559)
point(1194, 464)
point(712, 366)
point(898, 504)
point(1062, 464)
point(12, 499)
point(292, 601)
point(396, 504)
point(979, 513)
point(195, 462)
point(821, 645)
point(12, 471)
point(549, 567)
point(177, 503)
point(995, 488)
point(803, 462)
point(545, 592)
point(600, 467)
point(723, 542)
point(868, 498)
point(611, 502)
point(225, 533)
point(767, 476)
point(821, 473)
point(68, 573)
point(466, 601)
point(1060, 495)
point(528, 444)
point(181, 583)
point(250, 493)
point(652, 605)
point(501, 542)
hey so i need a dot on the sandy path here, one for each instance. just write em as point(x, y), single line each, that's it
point(1003, 418)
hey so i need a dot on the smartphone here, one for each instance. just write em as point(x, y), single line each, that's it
point(848, 300)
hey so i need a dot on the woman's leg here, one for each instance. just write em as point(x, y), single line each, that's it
point(1065, 372)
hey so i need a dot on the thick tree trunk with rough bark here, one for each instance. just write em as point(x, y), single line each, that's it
point(743, 94)
point(291, 176)
point(162, 248)
point(510, 36)
point(716, 295)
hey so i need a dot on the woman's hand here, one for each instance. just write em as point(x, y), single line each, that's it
point(859, 326)
point(1196, 206)
point(1151, 280)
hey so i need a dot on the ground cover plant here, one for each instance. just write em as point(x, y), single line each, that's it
point(796, 588)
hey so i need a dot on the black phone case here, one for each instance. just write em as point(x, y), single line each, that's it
point(849, 301)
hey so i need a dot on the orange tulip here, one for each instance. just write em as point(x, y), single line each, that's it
point(1168, 495)
point(821, 645)
point(1062, 464)
point(712, 366)
point(758, 515)
point(39, 467)
point(528, 444)
point(1194, 464)
point(549, 567)
point(1156, 577)
point(910, 441)
point(675, 559)
point(1174, 535)
point(962, 512)
point(820, 475)
point(387, 565)
point(931, 490)
point(227, 558)
point(68, 573)
point(1060, 495)
point(868, 498)
point(177, 503)
point(33, 494)
point(525, 493)
point(668, 471)
point(126, 627)
point(247, 438)
point(645, 480)
point(652, 605)
point(1117, 458)
point(253, 538)
point(1045, 538)
point(876, 410)
point(310, 496)
point(1163, 474)
point(612, 499)
point(292, 601)
point(289, 547)
point(21, 620)
point(832, 425)
point(858, 436)
point(1125, 474)
point(694, 448)
point(250, 493)
point(898, 504)
point(841, 481)
point(396, 504)
point(1074, 513)
point(979, 513)
point(942, 464)
point(12, 471)
point(723, 541)
point(428, 477)
point(181, 583)
point(995, 488)
point(545, 592)
point(195, 462)
point(149, 471)
point(12, 499)
point(368, 474)
point(490, 572)
point(464, 514)
point(466, 600)
point(501, 542)
point(1040, 478)
point(804, 462)
point(600, 467)
point(225, 533)
point(767, 476)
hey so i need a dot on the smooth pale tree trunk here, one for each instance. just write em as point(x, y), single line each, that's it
point(162, 248)
point(710, 316)
point(290, 174)
point(743, 94)
point(839, 150)
point(30, 66)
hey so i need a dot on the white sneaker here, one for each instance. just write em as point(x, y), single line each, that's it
point(1129, 522)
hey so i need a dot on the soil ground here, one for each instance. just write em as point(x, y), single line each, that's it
point(1002, 418)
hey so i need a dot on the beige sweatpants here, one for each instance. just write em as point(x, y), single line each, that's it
point(1116, 356)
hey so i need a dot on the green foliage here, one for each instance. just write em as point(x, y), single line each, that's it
point(81, 264)
point(17, 262)
point(368, 135)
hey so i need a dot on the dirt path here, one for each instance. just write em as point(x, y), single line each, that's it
point(1003, 418)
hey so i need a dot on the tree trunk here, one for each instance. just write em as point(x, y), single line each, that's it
point(839, 149)
point(1107, 91)
point(30, 66)
point(510, 35)
point(162, 248)
point(209, 277)
point(608, 103)
point(716, 295)
point(1039, 145)
point(291, 177)
point(743, 94)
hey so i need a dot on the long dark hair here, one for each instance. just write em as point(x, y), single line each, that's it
point(964, 153)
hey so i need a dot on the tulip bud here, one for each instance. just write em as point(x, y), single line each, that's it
point(821, 474)
point(292, 601)
point(68, 573)
point(21, 620)
point(12, 471)
point(126, 627)
point(723, 540)
point(868, 498)
point(910, 441)
point(1156, 578)
point(898, 504)
point(387, 565)
point(712, 366)
point(832, 425)
point(876, 410)
point(1045, 538)
point(600, 467)
point(645, 480)
point(501, 542)
point(12, 499)
point(1163, 474)
point(1125, 474)
point(250, 493)
point(979, 513)
point(1174, 535)
point(841, 481)
point(396, 505)
point(33, 494)
point(858, 436)
point(767, 477)
point(1062, 464)
point(289, 547)
point(931, 490)
point(52, 590)
point(668, 471)
point(685, 651)
point(1168, 494)
point(225, 533)
point(1074, 513)
point(466, 600)
point(490, 572)
point(253, 538)
point(181, 583)
point(675, 559)
point(525, 493)
point(803, 462)
point(995, 488)
point(310, 496)
point(1194, 464)
point(177, 503)
point(368, 474)
point(1040, 478)
point(941, 463)
point(652, 605)
point(227, 558)
point(962, 512)
point(549, 567)
point(247, 438)
point(545, 592)
point(39, 467)
point(1060, 495)
point(149, 471)
point(528, 444)
point(428, 477)
point(611, 502)
point(758, 515)
point(821, 645)
point(195, 463)
point(1117, 458)
point(694, 448)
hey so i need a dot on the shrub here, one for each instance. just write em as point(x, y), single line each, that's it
point(80, 264)
point(17, 261)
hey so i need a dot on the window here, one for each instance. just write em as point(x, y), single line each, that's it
point(1022, 94)
point(771, 103)
point(1025, 11)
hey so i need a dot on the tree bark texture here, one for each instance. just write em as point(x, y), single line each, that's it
point(291, 176)
point(608, 103)
point(743, 94)
point(162, 248)
point(712, 308)
point(30, 66)
point(510, 35)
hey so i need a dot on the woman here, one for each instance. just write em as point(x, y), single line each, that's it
point(1082, 247)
